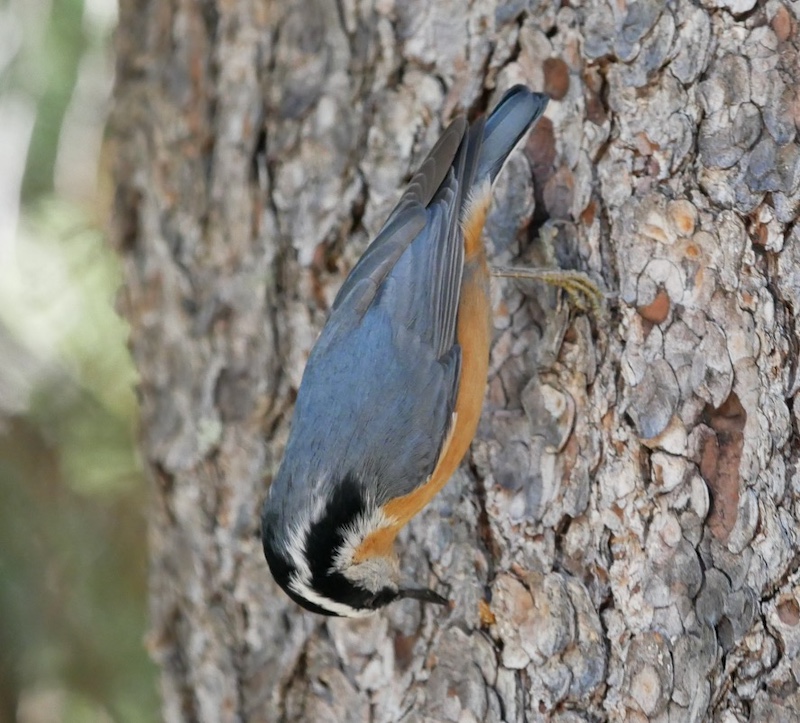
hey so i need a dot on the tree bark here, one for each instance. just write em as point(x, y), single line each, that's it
point(622, 541)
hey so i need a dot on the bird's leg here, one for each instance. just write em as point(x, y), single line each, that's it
point(582, 291)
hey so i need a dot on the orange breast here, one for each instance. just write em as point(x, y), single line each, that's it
point(474, 336)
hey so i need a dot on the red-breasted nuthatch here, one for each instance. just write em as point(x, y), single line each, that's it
point(393, 389)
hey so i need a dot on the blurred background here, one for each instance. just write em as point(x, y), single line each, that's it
point(72, 497)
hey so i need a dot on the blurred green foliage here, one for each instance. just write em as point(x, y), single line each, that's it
point(72, 497)
point(47, 67)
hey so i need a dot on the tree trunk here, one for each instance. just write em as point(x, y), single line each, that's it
point(622, 541)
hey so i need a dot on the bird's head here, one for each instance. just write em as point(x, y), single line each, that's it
point(340, 561)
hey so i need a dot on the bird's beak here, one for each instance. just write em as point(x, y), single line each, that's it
point(423, 595)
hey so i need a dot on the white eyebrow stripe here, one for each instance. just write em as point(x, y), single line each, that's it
point(298, 538)
point(308, 593)
point(300, 582)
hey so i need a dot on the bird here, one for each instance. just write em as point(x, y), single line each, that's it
point(392, 391)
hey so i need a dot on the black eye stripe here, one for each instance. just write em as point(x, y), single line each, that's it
point(325, 539)
point(326, 536)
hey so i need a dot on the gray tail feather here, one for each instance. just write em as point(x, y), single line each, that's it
point(517, 110)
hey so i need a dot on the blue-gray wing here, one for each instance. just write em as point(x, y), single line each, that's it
point(405, 222)
point(379, 389)
point(380, 386)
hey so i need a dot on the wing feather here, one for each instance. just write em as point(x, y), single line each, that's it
point(406, 220)
point(380, 387)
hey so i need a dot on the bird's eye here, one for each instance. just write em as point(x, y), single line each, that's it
point(381, 598)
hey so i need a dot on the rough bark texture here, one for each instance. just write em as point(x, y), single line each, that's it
point(622, 541)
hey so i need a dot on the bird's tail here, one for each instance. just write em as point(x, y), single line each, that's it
point(517, 110)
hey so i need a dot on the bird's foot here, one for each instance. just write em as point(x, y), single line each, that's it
point(584, 293)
